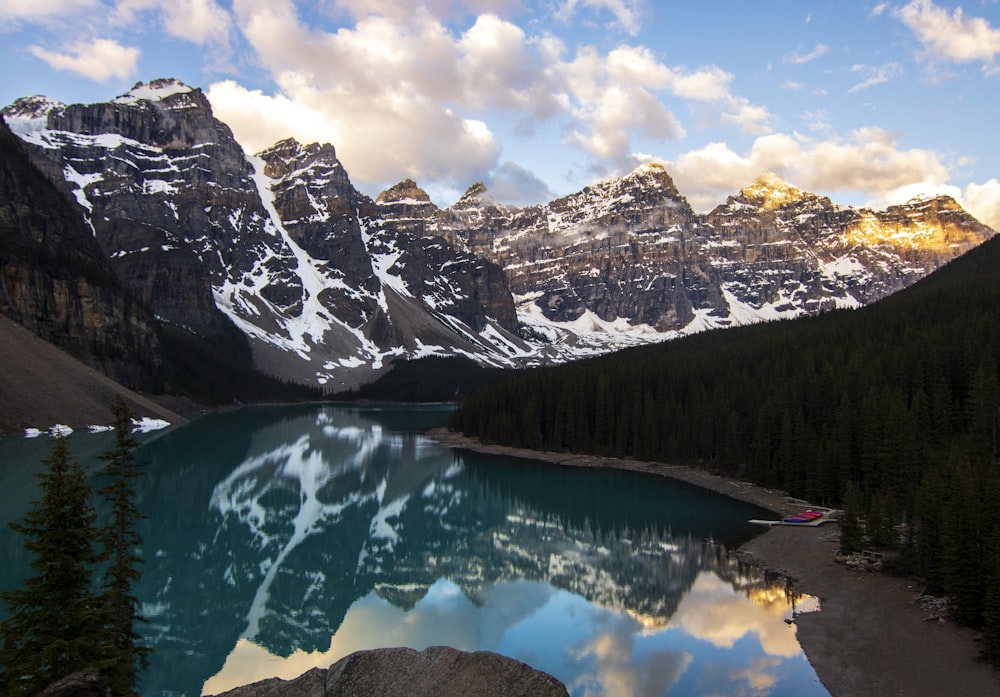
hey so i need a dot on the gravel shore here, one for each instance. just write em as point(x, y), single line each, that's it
point(870, 638)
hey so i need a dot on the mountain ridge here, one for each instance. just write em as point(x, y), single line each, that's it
point(330, 286)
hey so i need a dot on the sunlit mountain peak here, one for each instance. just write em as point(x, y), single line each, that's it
point(770, 192)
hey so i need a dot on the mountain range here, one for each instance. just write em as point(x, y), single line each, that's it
point(171, 222)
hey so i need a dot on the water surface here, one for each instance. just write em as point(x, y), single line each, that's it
point(278, 539)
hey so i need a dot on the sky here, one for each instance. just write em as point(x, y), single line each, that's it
point(869, 103)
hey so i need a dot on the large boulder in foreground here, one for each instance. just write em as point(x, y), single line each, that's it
point(438, 671)
point(82, 684)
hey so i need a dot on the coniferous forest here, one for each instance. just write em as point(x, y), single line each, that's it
point(891, 410)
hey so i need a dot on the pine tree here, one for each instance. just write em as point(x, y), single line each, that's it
point(56, 620)
point(991, 600)
point(851, 528)
point(121, 544)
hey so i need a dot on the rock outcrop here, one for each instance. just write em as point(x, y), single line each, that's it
point(83, 684)
point(438, 671)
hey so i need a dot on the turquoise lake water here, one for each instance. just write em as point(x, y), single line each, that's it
point(279, 539)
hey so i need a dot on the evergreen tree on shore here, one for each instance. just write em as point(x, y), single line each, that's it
point(56, 620)
point(122, 543)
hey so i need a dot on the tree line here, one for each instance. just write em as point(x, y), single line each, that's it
point(892, 410)
point(62, 620)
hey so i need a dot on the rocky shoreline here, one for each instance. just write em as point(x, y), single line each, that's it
point(870, 638)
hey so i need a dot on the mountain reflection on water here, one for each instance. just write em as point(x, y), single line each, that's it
point(282, 539)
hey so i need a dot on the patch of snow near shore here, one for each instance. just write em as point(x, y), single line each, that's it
point(143, 425)
point(146, 424)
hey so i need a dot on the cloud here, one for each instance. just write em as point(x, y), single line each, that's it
point(406, 95)
point(875, 75)
point(868, 161)
point(261, 120)
point(452, 9)
point(198, 21)
point(617, 671)
point(512, 184)
point(983, 201)
point(796, 58)
point(713, 611)
point(15, 11)
point(98, 59)
point(951, 36)
point(626, 12)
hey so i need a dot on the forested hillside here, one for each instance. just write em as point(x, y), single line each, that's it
point(893, 408)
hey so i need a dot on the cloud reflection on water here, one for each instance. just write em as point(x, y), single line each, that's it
point(595, 651)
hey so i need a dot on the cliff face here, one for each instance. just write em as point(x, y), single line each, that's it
point(330, 286)
point(57, 282)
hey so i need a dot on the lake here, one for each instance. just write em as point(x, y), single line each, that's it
point(282, 538)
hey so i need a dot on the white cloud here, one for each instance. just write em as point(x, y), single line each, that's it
point(714, 612)
point(408, 96)
point(797, 58)
point(983, 201)
point(868, 162)
point(259, 120)
point(875, 75)
point(98, 59)
point(627, 13)
point(39, 10)
point(198, 21)
point(951, 36)
point(399, 11)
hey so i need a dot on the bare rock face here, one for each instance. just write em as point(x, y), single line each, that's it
point(438, 671)
point(56, 281)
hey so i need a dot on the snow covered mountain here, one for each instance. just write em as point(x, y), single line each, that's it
point(331, 286)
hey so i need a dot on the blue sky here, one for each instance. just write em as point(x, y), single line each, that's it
point(869, 103)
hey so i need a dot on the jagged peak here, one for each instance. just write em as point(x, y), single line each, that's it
point(652, 174)
point(153, 91)
point(656, 171)
point(36, 106)
point(406, 190)
point(770, 192)
point(646, 168)
point(936, 200)
point(28, 116)
point(477, 194)
point(290, 148)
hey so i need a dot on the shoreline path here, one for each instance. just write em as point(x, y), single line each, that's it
point(870, 638)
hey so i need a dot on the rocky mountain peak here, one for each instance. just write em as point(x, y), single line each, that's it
point(34, 107)
point(286, 155)
point(933, 203)
point(405, 191)
point(476, 196)
point(154, 91)
point(654, 172)
point(770, 192)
